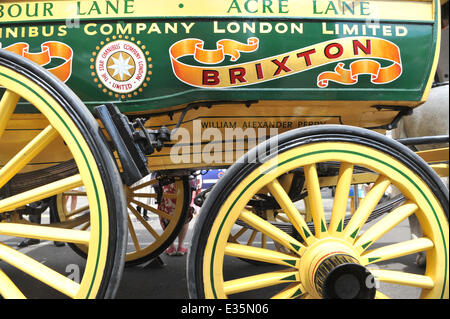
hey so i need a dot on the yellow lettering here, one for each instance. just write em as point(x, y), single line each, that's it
point(62, 30)
point(187, 27)
point(217, 28)
point(154, 28)
point(140, 27)
point(89, 26)
point(33, 32)
point(324, 29)
point(106, 29)
point(124, 29)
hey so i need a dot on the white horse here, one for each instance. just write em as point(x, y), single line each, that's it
point(429, 119)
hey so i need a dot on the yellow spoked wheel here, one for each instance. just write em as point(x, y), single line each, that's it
point(338, 259)
point(147, 238)
point(69, 123)
point(244, 234)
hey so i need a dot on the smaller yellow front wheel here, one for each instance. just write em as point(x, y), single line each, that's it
point(344, 255)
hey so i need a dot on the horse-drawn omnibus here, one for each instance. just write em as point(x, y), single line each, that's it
point(290, 96)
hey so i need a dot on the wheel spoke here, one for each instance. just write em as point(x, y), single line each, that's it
point(77, 211)
point(74, 222)
point(8, 289)
point(341, 198)
point(158, 212)
point(263, 240)
point(26, 154)
point(380, 295)
point(75, 193)
point(272, 231)
point(140, 186)
point(384, 225)
point(86, 226)
point(260, 281)
point(153, 195)
point(290, 292)
point(261, 254)
point(170, 196)
point(143, 222)
point(236, 236)
point(397, 250)
point(45, 233)
point(315, 200)
point(145, 195)
point(252, 237)
point(39, 193)
point(133, 234)
point(281, 218)
point(7, 106)
point(366, 207)
point(39, 271)
point(402, 278)
point(290, 210)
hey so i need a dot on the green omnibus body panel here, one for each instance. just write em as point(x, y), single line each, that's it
point(118, 51)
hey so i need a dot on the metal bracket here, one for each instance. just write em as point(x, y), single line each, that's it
point(132, 141)
point(403, 111)
point(421, 140)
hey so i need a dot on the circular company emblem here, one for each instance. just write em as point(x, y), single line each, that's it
point(121, 67)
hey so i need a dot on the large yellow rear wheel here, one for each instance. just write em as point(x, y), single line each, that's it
point(73, 128)
point(339, 259)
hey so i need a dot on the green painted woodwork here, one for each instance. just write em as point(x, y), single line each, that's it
point(164, 89)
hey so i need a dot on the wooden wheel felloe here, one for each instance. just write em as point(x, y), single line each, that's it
point(70, 124)
point(146, 237)
point(354, 250)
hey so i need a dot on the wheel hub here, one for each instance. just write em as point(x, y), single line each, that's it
point(341, 277)
point(330, 269)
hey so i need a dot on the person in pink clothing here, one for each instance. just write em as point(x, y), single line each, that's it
point(168, 205)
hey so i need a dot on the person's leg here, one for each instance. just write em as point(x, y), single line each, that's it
point(181, 250)
point(171, 250)
point(73, 203)
point(144, 214)
point(54, 215)
point(36, 219)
